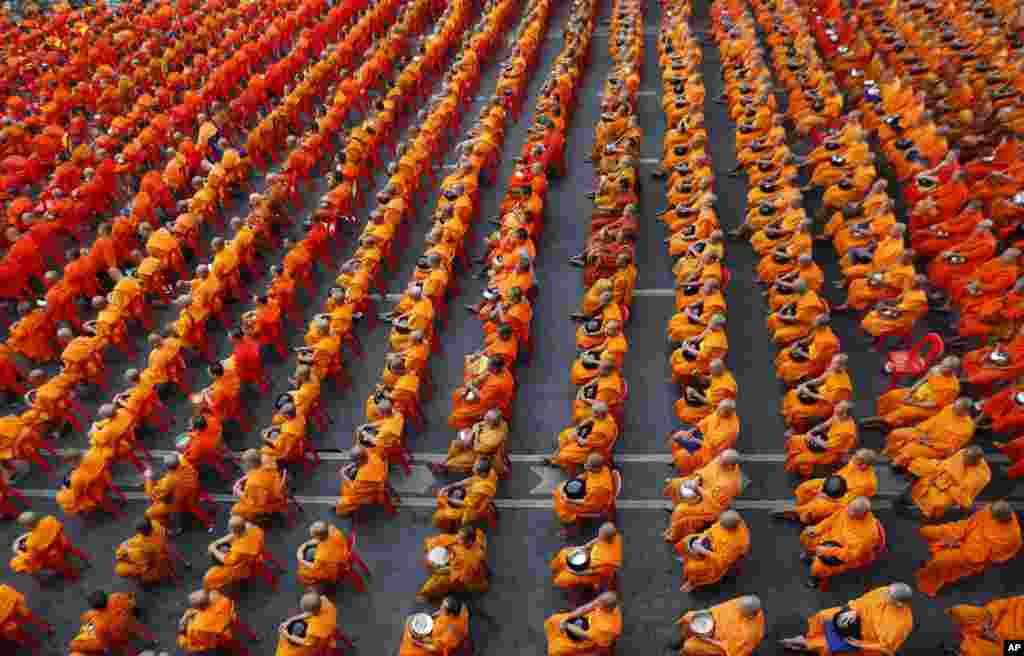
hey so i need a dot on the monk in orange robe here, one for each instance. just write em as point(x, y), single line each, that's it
point(604, 554)
point(937, 437)
point(700, 398)
point(696, 447)
point(846, 540)
point(598, 493)
point(148, 555)
point(45, 547)
point(494, 389)
point(816, 399)
point(983, 629)
point(738, 629)
point(594, 434)
point(1002, 361)
point(470, 500)
point(968, 547)
point(906, 406)
point(825, 444)
point(109, 625)
point(327, 558)
point(819, 498)
point(236, 556)
point(319, 616)
point(809, 357)
point(879, 622)
point(263, 491)
point(603, 621)
point(89, 487)
point(466, 570)
point(210, 623)
point(693, 358)
point(964, 258)
point(710, 555)
point(944, 484)
point(364, 482)
point(795, 321)
point(16, 617)
point(699, 499)
point(449, 633)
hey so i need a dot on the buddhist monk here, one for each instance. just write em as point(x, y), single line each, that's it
point(701, 398)
point(327, 558)
point(937, 437)
point(877, 623)
point(898, 316)
point(109, 625)
point(463, 568)
point(590, 629)
point(597, 496)
point(263, 491)
point(695, 447)
point(16, 617)
point(237, 556)
point(906, 406)
point(808, 357)
point(942, 485)
point(604, 559)
point(175, 493)
point(364, 482)
point(737, 630)
point(45, 547)
point(492, 390)
point(210, 623)
point(710, 555)
point(447, 636)
point(796, 320)
point(594, 434)
point(846, 540)
point(319, 622)
point(968, 547)
point(485, 439)
point(699, 499)
point(826, 444)
point(147, 556)
point(817, 398)
point(465, 502)
point(983, 629)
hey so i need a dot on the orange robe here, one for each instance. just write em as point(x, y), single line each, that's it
point(802, 458)
point(727, 548)
point(598, 498)
point(813, 505)
point(367, 488)
point(740, 635)
point(211, 628)
point(720, 486)
point(942, 484)
point(605, 562)
point(848, 543)
point(945, 433)
point(981, 541)
point(881, 623)
point(240, 561)
point(1005, 617)
point(332, 559)
point(605, 627)
point(940, 390)
point(718, 434)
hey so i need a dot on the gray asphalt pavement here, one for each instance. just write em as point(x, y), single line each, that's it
point(509, 618)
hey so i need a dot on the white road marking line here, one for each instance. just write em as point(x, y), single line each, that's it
point(537, 458)
point(655, 292)
point(509, 504)
point(649, 161)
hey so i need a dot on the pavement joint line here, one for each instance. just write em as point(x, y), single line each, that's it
point(538, 458)
point(502, 504)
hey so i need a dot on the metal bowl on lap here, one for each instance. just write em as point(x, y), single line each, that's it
point(575, 488)
point(457, 493)
point(421, 625)
point(224, 547)
point(297, 628)
point(702, 624)
point(181, 442)
point(309, 553)
point(439, 557)
point(834, 487)
point(999, 357)
point(694, 540)
point(580, 622)
point(578, 560)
